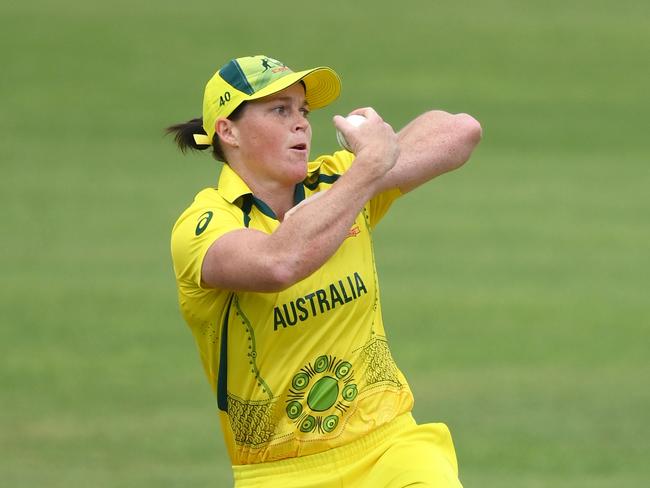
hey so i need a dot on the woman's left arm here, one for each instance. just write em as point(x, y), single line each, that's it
point(433, 143)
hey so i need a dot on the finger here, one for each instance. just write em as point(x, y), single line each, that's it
point(368, 112)
point(342, 124)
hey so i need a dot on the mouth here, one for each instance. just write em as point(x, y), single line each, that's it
point(299, 147)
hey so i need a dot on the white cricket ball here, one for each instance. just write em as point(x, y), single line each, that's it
point(355, 120)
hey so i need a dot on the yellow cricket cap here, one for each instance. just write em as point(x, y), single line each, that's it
point(253, 77)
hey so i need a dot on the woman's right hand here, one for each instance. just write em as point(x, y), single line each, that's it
point(374, 142)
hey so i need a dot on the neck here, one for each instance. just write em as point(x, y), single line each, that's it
point(279, 196)
point(280, 199)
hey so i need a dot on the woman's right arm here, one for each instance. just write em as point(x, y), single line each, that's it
point(251, 260)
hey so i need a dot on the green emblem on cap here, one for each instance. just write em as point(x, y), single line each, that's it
point(251, 74)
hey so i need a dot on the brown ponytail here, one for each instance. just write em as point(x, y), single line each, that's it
point(184, 135)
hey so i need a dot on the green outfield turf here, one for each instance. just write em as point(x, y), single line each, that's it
point(515, 291)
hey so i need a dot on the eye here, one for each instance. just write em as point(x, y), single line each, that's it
point(280, 109)
point(305, 112)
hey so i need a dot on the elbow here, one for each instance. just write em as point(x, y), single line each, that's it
point(466, 128)
point(470, 128)
point(458, 136)
point(286, 271)
point(297, 264)
point(288, 261)
point(279, 279)
point(468, 133)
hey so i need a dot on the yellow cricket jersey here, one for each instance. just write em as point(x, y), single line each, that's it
point(300, 371)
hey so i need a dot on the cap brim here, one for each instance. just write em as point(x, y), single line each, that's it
point(322, 86)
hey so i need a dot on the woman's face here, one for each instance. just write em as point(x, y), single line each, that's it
point(274, 136)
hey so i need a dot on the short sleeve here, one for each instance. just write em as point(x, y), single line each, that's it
point(379, 205)
point(193, 234)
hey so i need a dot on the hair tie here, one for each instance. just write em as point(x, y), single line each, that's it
point(202, 139)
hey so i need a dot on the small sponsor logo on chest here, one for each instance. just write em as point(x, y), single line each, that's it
point(354, 231)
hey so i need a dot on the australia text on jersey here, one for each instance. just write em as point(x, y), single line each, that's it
point(319, 301)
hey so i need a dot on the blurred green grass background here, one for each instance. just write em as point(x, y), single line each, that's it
point(515, 290)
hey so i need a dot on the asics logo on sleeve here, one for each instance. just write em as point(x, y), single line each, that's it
point(204, 220)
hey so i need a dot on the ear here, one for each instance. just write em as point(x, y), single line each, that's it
point(227, 132)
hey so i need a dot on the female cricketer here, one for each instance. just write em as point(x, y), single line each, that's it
point(277, 281)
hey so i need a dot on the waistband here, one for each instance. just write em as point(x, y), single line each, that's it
point(326, 459)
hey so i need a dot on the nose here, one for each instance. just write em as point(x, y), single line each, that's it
point(301, 123)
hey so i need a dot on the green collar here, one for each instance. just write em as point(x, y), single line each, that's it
point(231, 187)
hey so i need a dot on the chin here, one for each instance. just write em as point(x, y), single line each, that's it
point(299, 174)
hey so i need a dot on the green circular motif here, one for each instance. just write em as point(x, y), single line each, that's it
point(343, 369)
point(323, 394)
point(308, 424)
point(321, 364)
point(349, 392)
point(300, 381)
point(330, 423)
point(294, 409)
